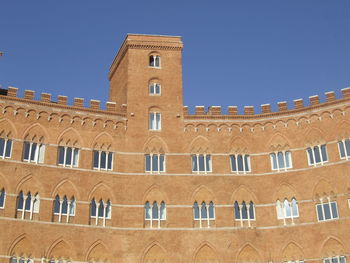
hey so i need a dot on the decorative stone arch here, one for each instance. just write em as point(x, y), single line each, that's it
point(29, 183)
point(154, 108)
point(200, 145)
point(101, 191)
point(22, 247)
point(205, 253)
point(285, 190)
point(291, 252)
point(65, 188)
point(248, 254)
point(343, 130)
point(4, 183)
point(98, 252)
point(323, 188)
point(243, 193)
point(200, 128)
point(238, 145)
point(332, 246)
point(60, 249)
point(7, 129)
point(155, 144)
point(154, 253)
point(203, 193)
point(278, 142)
point(314, 136)
point(103, 141)
point(154, 193)
point(36, 133)
point(70, 137)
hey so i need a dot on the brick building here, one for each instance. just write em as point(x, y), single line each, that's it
point(143, 180)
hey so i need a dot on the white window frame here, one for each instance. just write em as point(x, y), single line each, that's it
point(155, 121)
point(338, 258)
point(108, 154)
point(60, 214)
point(21, 259)
point(244, 156)
point(153, 86)
point(34, 205)
point(347, 154)
point(200, 218)
point(241, 219)
point(58, 261)
point(282, 211)
point(6, 142)
point(322, 204)
point(294, 261)
point(206, 168)
point(106, 216)
point(286, 155)
point(39, 153)
point(151, 155)
point(72, 164)
point(312, 148)
point(3, 191)
point(149, 212)
point(156, 58)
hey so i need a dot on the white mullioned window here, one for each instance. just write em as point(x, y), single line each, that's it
point(317, 154)
point(5, 148)
point(201, 163)
point(28, 204)
point(294, 261)
point(2, 198)
point(154, 89)
point(287, 209)
point(336, 259)
point(327, 209)
point(155, 123)
point(204, 214)
point(244, 212)
point(103, 160)
point(344, 149)
point(154, 61)
point(21, 260)
point(155, 213)
point(155, 163)
point(68, 156)
point(33, 152)
point(100, 210)
point(58, 261)
point(281, 160)
point(240, 163)
point(64, 207)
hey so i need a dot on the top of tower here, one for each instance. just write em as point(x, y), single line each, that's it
point(140, 41)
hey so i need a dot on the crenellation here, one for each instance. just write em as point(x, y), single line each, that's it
point(95, 104)
point(298, 104)
point(346, 92)
point(214, 110)
point(330, 96)
point(200, 110)
point(29, 94)
point(12, 92)
point(248, 110)
point(79, 102)
point(185, 110)
point(232, 110)
point(314, 100)
point(45, 97)
point(282, 106)
point(265, 108)
point(62, 100)
point(111, 106)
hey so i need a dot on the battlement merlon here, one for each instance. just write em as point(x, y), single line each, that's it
point(62, 102)
point(232, 111)
point(139, 41)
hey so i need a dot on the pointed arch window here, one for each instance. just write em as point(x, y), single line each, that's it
point(344, 149)
point(287, 209)
point(240, 163)
point(336, 259)
point(204, 213)
point(103, 160)
point(100, 211)
point(64, 208)
point(68, 156)
point(33, 152)
point(2, 198)
point(155, 213)
point(21, 260)
point(244, 212)
point(317, 154)
point(5, 148)
point(281, 160)
point(155, 163)
point(154, 61)
point(28, 204)
point(201, 163)
point(327, 209)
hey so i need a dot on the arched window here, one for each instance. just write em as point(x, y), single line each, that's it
point(281, 160)
point(93, 208)
point(154, 88)
point(147, 211)
point(211, 210)
point(195, 210)
point(244, 212)
point(21, 260)
point(287, 210)
point(155, 123)
point(2, 198)
point(102, 160)
point(155, 163)
point(28, 204)
point(64, 207)
point(336, 259)
point(204, 214)
point(162, 211)
point(154, 61)
point(317, 154)
point(240, 163)
point(155, 214)
point(201, 163)
point(33, 152)
point(68, 156)
point(100, 211)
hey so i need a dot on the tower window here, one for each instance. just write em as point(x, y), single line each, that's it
point(155, 121)
point(201, 163)
point(240, 163)
point(155, 163)
point(154, 61)
point(317, 154)
point(33, 152)
point(103, 160)
point(5, 148)
point(68, 156)
point(281, 160)
point(154, 89)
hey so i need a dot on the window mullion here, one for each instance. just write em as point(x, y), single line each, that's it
point(5, 146)
point(99, 160)
point(322, 208)
point(60, 211)
point(197, 161)
point(151, 170)
point(72, 157)
point(65, 156)
point(236, 161)
point(200, 216)
point(248, 214)
point(208, 221)
point(205, 163)
point(159, 215)
point(243, 163)
point(330, 207)
point(30, 152)
point(151, 208)
point(31, 207)
point(97, 207)
point(104, 213)
point(24, 205)
point(345, 149)
point(313, 154)
point(284, 160)
point(158, 155)
point(68, 208)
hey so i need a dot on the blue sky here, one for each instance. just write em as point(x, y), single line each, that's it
point(236, 52)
